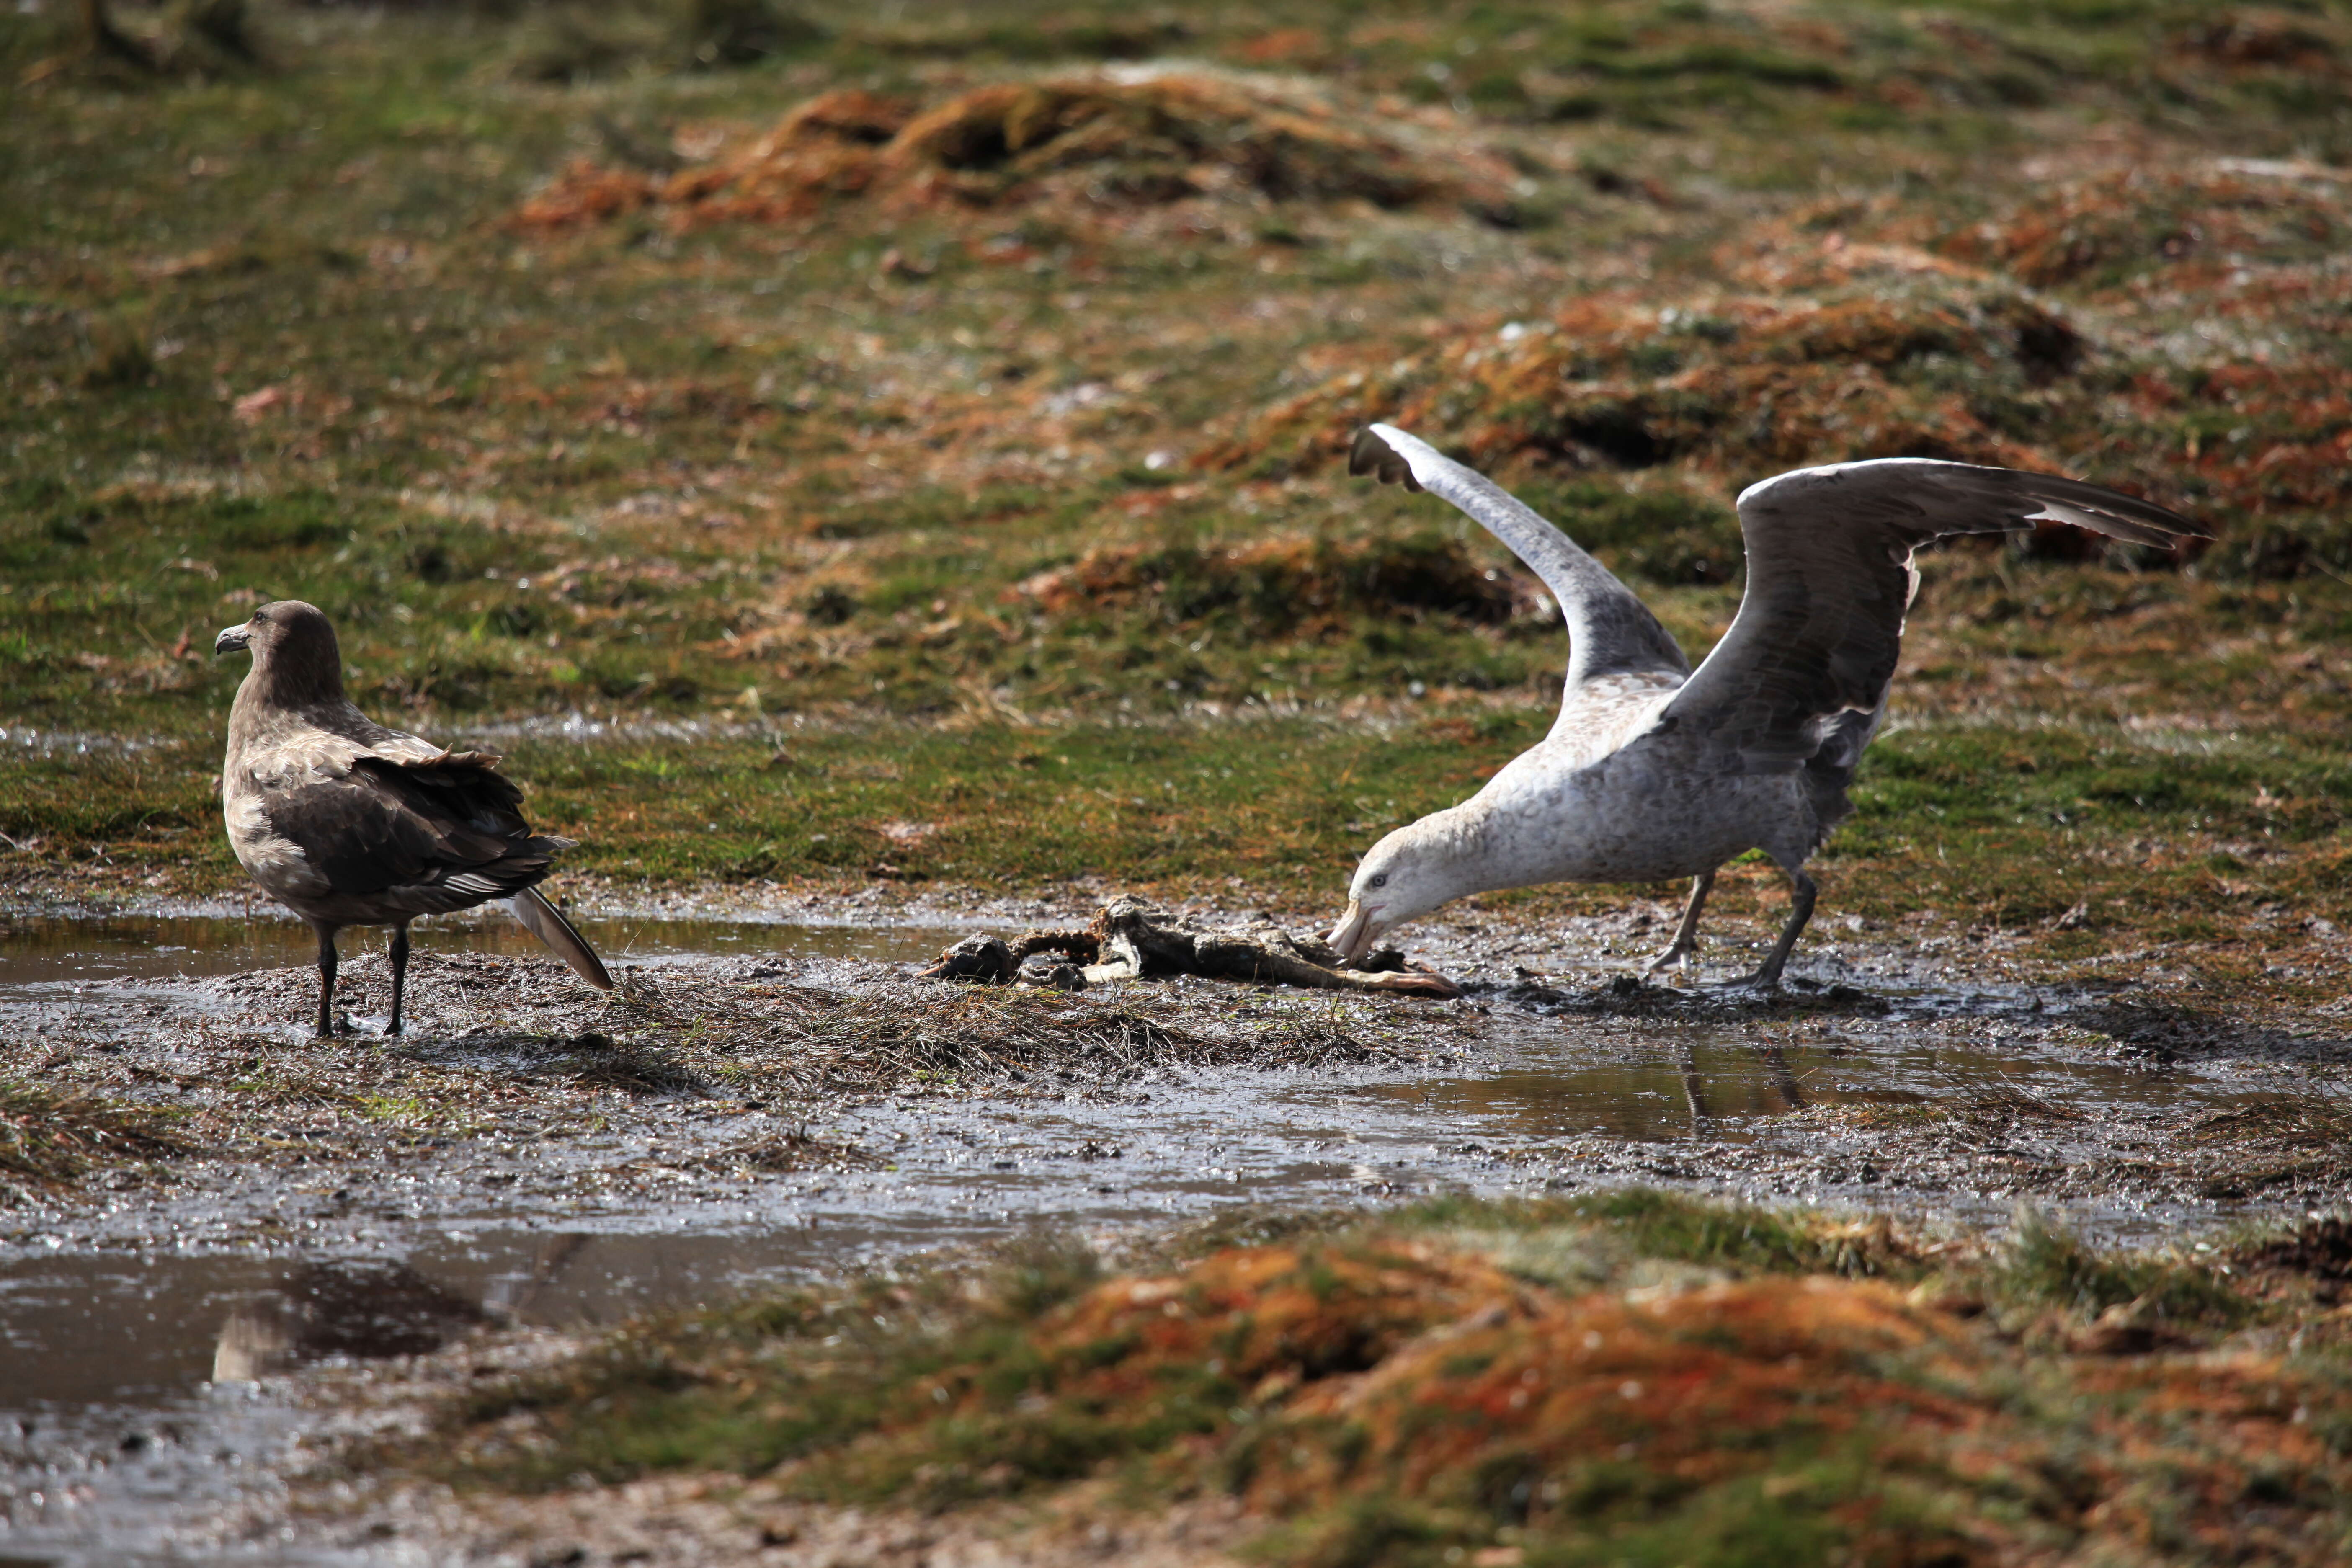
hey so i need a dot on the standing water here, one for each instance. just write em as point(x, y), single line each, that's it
point(144, 1334)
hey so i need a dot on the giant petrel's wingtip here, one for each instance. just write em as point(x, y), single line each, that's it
point(1371, 454)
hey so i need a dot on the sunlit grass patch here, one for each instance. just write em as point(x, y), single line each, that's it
point(2044, 1266)
point(1642, 1223)
point(2228, 843)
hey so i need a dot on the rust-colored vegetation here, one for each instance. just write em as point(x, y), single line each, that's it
point(1744, 384)
point(2116, 226)
point(1861, 331)
point(1633, 1377)
point(1108, 140)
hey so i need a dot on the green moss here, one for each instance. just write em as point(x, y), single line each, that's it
point(1366, 1386)
point(1640, 1222)
point(2047, 1266)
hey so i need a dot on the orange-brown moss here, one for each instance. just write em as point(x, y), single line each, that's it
point(1398, 1372)
point(1875, 328)
point(1737, 384)
point(1398, 1396)
point(1704, 1383)
point(1292, 1314)
point(2116, 226)
point(1104, 140)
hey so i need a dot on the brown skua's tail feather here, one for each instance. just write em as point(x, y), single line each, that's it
point(543, 921)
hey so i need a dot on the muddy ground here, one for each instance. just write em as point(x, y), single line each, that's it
point(1903, 1070)
point(766, 1102)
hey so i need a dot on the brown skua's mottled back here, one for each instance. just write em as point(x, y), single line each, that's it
point(1654, 770)
point(348, 823)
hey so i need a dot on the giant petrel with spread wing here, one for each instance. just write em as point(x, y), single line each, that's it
point(346, 823)
point(1655, 770)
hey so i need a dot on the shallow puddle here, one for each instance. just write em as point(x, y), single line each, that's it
point(86, 1329)
point(116, 972)
point(1724, 1085)
point(49, 953)
point(139, 1341)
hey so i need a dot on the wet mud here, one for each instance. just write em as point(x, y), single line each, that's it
point(760, 1103)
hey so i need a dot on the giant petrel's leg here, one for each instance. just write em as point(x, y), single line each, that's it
point(1802, 890)
point(1685, 941)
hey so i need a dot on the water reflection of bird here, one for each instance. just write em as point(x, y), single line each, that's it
point(348, 823)
point(361, 1310)
point(1654, 770)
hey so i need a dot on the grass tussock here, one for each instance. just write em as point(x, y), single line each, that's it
point(1915, 336)
point(2047, 1268)
point(1625, 383)
point(2108, 229)
point(1108, 140)
point(1706, 1384)
point(49, 1140)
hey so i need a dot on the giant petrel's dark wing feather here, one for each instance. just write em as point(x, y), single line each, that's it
point(1800, 680)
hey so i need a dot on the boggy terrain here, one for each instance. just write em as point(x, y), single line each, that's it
point(1878, 1369)
point(1890, 1069)
point(887, 461)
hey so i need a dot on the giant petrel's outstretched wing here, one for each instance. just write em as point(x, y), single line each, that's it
point(1609, 631)
point(1800, 677)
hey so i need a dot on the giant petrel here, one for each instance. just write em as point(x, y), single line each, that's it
point(1655, 770)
